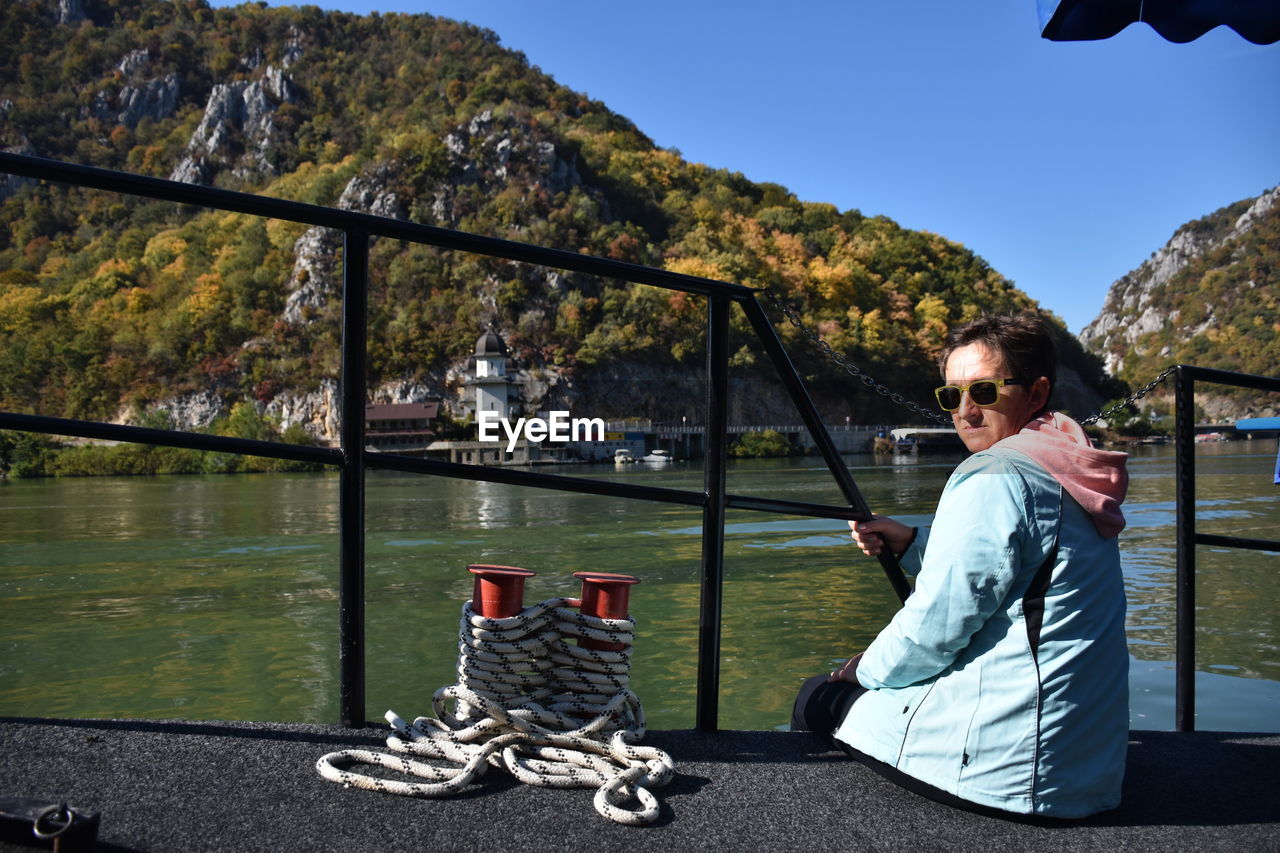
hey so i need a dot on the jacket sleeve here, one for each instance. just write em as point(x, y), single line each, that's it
point(912, 559)
point(970, 564)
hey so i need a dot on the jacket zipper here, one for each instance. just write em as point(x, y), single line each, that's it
point(906, 732)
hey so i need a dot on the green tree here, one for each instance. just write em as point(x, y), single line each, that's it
point(24, 454)
point(757, 444)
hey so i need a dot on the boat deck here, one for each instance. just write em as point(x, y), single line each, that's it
point(195, 786)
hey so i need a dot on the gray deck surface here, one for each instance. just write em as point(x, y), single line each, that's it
point(194, 786)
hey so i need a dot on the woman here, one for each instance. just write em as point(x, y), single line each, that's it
point(1002, 683)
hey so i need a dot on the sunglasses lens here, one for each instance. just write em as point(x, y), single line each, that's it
point(949, 398)
point(984, 393)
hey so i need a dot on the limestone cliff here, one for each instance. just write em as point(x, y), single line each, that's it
point(238, 127)
point(1209, 297)
point(1134, 309)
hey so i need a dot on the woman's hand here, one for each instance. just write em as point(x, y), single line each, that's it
point(847, 672)
point(873, 536)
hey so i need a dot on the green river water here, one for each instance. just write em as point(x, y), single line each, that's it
point(216, 597)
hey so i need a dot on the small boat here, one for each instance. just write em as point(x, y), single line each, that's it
point(659, 457)
point(622, 456)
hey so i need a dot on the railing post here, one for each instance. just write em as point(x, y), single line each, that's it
point(708, 698)
point(351, 651)
point(1185, 582)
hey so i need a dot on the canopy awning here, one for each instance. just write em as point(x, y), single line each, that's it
point(1176, 20)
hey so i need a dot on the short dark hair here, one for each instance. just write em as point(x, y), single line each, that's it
point(1022, 340)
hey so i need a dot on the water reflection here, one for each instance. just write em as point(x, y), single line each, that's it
point(490, 508)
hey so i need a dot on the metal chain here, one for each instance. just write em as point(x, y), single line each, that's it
point(1132, 398)
point(883, 391)
point(850, 368)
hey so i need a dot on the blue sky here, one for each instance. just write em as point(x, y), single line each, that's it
point(1064, 165)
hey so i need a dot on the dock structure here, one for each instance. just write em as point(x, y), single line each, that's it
point(640, 436)
point(912, 438)
point(689, 441)
point(208, 786)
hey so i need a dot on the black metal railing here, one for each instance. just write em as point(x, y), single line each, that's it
point(1186, 377)
point(353, 460)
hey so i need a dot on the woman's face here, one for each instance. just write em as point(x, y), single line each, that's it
point(979, 427)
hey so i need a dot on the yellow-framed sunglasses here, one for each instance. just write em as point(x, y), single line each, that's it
point(983, 392)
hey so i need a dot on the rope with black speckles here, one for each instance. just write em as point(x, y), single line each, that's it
point(520, 702)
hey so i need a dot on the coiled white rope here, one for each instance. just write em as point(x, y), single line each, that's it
point(521, 699)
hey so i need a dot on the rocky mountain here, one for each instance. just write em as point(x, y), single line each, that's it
point(1209, 297)
point(118, 308)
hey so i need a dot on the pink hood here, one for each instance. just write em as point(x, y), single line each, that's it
point(1097, 479)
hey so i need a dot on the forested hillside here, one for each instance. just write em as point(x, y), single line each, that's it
point(1209, 297)
point(111, 307)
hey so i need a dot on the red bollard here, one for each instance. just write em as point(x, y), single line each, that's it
point(499, 590)
point(604, 595)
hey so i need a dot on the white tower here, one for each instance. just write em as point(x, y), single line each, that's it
point(493, 387)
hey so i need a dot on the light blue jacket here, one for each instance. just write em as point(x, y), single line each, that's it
point(999, 682)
